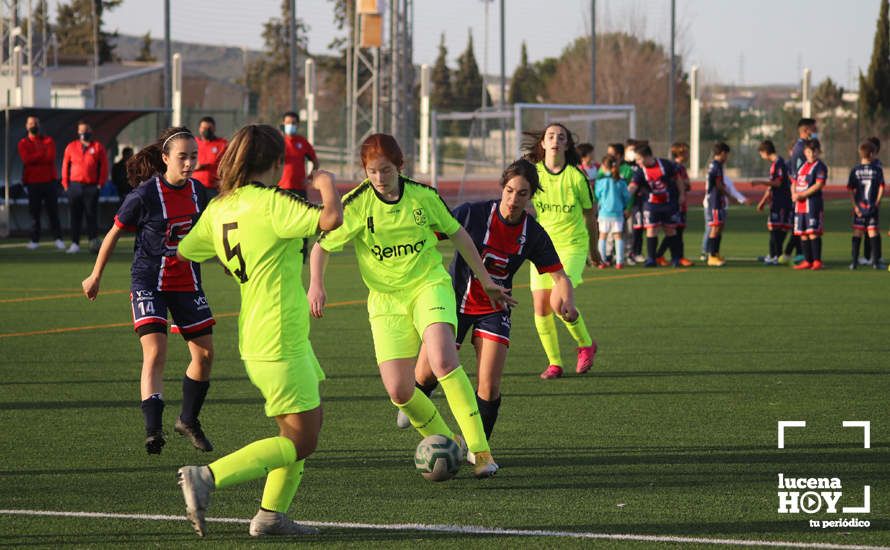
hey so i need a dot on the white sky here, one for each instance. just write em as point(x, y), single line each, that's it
point(740, 41)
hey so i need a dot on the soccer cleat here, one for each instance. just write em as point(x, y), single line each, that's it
point(863, 260)
point(879, 265)
point(650, 263)
point(803, 265)
point(703, 257)
point(639, 258)
point(73, 249)
point(585, 358)
point(817, 265)
point(716, 261)
point(784, 259)
point(686, 263)
point(853, 265)
point(485, 466)
point(402, 420)
point(662, 261)
point(266, 523)
point(631, 261)
point(619, 266)
point(154, 442)
point(197, 484)
point(95, 245)
point(59, 244)
point(552, 371)
point(32, 245)
point(798, 258)
point(604, 265)
point(194, 433)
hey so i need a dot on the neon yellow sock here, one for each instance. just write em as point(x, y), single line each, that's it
point(462, 400)
point(424, 416)
point(549, 338)
point(578, 330)
point(281, 486)
point(253, 461)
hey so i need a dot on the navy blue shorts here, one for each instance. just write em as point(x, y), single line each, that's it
point(779, 218)
point(664, 216)
point(715, 217)
point(809, 223)
point(190, 311)
point(869, 220)
point(491, 326)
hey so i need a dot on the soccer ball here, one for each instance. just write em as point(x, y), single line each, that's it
point(437, 458)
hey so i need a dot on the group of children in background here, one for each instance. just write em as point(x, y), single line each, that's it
point(637, 194)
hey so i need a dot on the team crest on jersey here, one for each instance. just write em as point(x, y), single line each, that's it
point(521, 239)
point(214, 149)
point(419, 216)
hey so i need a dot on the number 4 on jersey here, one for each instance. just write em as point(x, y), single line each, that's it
point(233, 251)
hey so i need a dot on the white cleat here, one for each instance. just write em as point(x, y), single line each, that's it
point(32, 245)
point(197, 484)
point(266, 523)
point(402, 420)
point(484, 465)
point(59, 244)
point(73, 249)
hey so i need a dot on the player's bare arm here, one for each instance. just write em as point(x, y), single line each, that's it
point(318, 263)
point(90, 285)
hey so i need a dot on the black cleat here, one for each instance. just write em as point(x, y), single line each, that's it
point(154, 442)
point(194, 433)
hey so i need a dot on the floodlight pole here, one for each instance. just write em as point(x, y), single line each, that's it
point(168, 63)
point(503, 101)
point(673, 78)
point(292, 37)
point(592, 65)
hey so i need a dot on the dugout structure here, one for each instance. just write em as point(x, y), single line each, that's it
point(478, 145)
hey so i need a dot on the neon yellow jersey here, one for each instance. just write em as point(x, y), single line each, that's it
point(257, 234)
point(395, 242)
point(560, 204)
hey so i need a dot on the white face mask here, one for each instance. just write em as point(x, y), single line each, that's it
point(630, 155)
point(290, 129)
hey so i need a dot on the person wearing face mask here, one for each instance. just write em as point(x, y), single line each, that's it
point(296, 151)
point(84, 171)
point(210, 150)
point(38, 154)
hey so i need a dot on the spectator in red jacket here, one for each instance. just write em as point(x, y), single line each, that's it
point(210, 150)
point(38, 153)
point(84, 171)
point(296, 151)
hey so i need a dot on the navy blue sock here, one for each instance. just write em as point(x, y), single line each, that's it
point(856, 241)
point(427, 389)
point(875, 249)
point(807, 246)
point(717, 245)
point(651, 245)
point(193, 394)
point(817, 248)
point(488, 411)
point(152, 412)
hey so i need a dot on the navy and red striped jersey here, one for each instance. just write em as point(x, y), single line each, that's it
point(865, 181)
point(658, 183)
point(161, 215)
point(797, 158)
point(781, 194)
point(715, 198)
point(809, 175)
point(503, 247)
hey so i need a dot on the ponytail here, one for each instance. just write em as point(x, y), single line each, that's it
point(149, 162)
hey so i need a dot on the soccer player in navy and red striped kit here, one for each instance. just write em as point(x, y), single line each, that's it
point(661, 198)
point(806, 194)
point(715, 204)
point(505, 235)
point(161, 210)
point(778, 194)
point(866, 185)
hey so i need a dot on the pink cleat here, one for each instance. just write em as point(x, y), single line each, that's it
point(585, 358)
point(553, 371)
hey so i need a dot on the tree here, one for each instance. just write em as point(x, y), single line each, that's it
point(828, 97)
point(74, 27)
point(467, 84)
point(441, 96)
point(145, 51)
point(526, 85)
point(268, 78)
point(874, 86)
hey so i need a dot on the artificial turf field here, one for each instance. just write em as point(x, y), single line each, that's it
point(672, 434)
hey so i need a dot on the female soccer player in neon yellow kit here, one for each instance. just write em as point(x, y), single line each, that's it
point(564, 207)
point(393, 223)
point(256, 230)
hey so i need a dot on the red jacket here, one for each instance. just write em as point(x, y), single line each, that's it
point(296, 150)
point(209, 153)
point(38, 154)
point(84, 164)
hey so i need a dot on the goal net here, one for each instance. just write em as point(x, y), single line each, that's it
point(469, 150)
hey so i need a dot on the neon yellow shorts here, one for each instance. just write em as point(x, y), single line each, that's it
point(573, 262)
point(398, 320)
point(288, 386)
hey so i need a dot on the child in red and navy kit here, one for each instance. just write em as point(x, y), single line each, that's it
point(680, 156)
point(161, 210)
point(661, 198)
point(866, 185)
point(778, 194)
point(809, 208)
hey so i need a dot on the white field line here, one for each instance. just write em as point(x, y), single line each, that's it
point(467, 529)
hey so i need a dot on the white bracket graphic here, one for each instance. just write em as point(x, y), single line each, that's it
point(866, 432)
point(788, 424)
